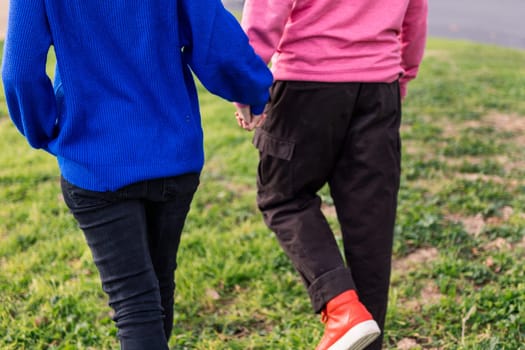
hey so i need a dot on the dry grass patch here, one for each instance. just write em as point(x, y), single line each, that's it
point(415, 259)
point(511, 123)
point(473, 225)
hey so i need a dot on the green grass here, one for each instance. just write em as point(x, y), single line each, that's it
point(458, 280)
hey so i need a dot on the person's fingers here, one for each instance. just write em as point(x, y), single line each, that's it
point(243, 124)
point(245, 114)
point(247, 126)
point(239, 119)
point(255, 122)
point(260, 121)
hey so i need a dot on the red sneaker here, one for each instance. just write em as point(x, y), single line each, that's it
point(348, 324)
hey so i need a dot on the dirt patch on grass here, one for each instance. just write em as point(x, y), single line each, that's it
point(407, 344)
point(413, 344)
point(453, 129)
point(429, 295)
point(507, 123)
point(512, 123)
point(473, 225)
point(415, 259)
point(499, 244)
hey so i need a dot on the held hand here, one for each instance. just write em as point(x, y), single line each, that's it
point(244, 113)
point(248, 121)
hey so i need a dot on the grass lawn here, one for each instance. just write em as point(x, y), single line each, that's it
point(459, 270)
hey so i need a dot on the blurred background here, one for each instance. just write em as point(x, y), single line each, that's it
point(487, 21)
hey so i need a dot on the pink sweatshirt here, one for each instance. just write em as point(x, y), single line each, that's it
point(339, 40)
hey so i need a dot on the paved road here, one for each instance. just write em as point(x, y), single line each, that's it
point(488, 21)
point(499, 22)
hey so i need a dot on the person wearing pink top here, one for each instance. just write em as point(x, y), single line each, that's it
point(340, 70)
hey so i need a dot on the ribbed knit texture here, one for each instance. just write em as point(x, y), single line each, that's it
point(124, 107)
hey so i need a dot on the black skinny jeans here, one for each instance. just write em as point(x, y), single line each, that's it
point(134, 235)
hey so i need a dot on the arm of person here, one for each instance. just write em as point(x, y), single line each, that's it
point(28, 90)
point(219, 54)
point(413, 40)
point(264, 22)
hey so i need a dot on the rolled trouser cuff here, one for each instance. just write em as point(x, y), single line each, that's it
point(328, 286)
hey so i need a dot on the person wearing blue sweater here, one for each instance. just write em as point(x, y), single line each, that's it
point(122, 119)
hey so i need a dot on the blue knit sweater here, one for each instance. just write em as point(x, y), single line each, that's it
point(123, 107)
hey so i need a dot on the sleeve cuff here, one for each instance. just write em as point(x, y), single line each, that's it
point(258, 109)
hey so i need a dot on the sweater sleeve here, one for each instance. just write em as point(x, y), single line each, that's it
point(264, 22)
point(28, 90)
point(413, 40)
point(218, 52)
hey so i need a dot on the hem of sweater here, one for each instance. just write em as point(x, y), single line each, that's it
point(103, 178)
point(387, 75)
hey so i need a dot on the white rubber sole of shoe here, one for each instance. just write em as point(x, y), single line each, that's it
point(358, 337)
